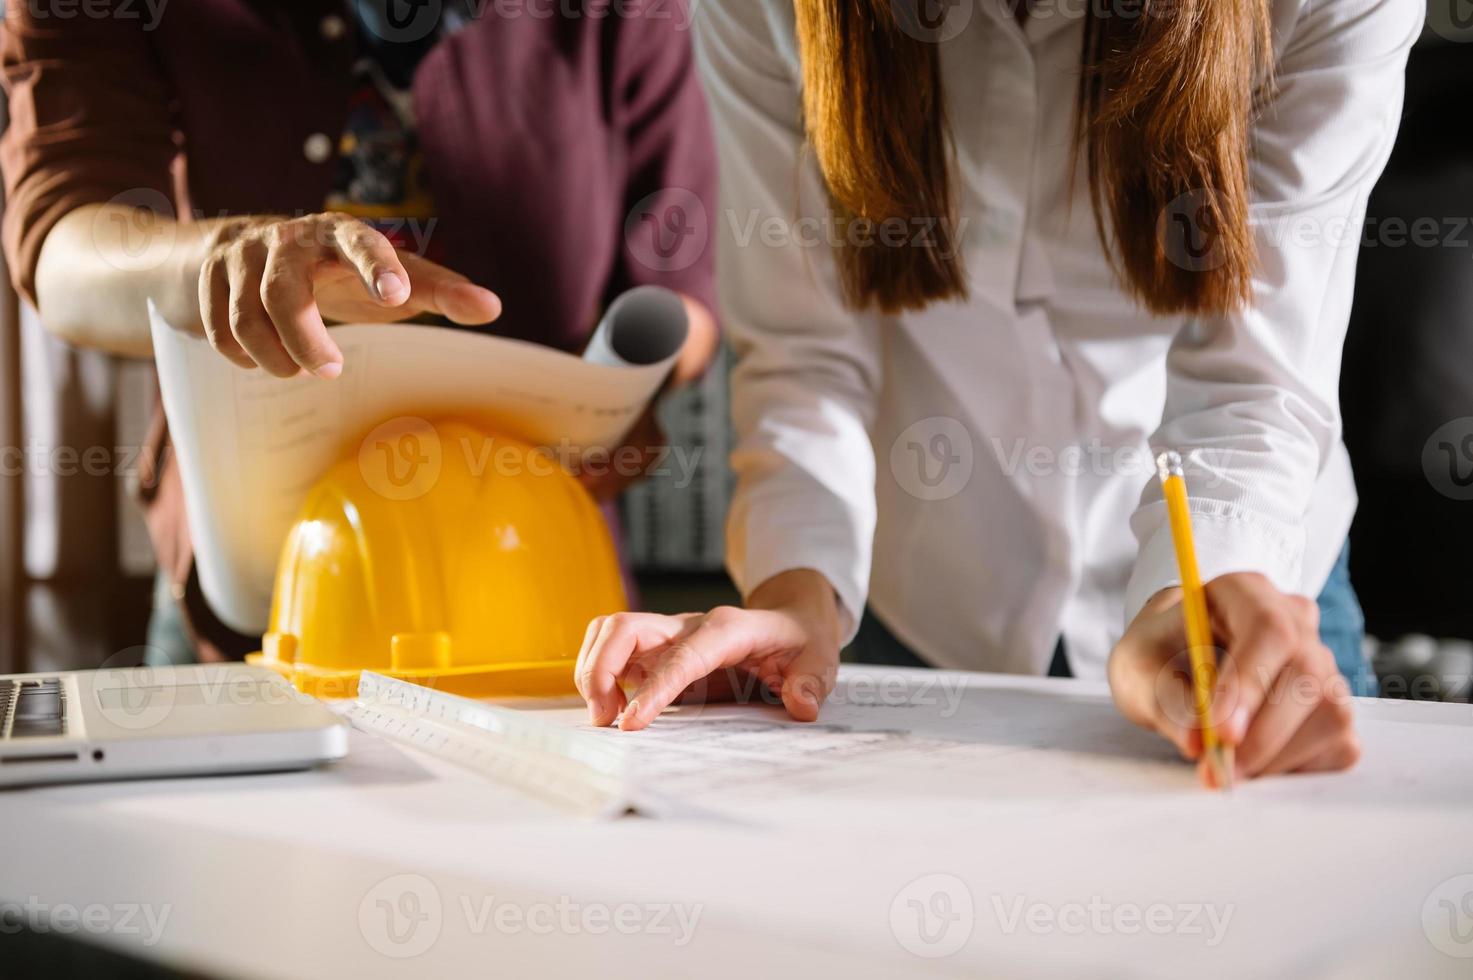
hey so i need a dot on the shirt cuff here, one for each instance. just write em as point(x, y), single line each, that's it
point(1224, 544)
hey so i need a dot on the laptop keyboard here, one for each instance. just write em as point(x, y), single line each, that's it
point(32, 708)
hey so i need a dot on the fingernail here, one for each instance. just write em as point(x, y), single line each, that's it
point(631, 711)
point(329, 370)
point(390, 287)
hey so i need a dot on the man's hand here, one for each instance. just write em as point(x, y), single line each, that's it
point(266, 285)
point(1279, 698)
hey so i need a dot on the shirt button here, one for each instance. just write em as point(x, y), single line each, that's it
point(317, 147)
point(332, 27)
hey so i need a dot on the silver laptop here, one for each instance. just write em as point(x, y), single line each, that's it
point(159, 721)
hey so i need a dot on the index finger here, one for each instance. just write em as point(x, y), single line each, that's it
point(686, 661)
point(607, 653)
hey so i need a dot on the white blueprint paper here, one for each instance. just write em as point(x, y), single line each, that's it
point(249, 445)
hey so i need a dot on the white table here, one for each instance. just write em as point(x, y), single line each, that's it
point(1067, 844)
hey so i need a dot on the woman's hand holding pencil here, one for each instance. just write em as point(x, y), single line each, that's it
point(1233, 673)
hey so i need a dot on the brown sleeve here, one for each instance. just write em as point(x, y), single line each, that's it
point(89, 121)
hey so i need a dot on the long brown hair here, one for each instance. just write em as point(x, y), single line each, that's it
point(1163, 110)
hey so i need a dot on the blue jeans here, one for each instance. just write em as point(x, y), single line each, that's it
point(1342, 628)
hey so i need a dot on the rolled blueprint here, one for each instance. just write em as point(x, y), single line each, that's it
point(646, 325)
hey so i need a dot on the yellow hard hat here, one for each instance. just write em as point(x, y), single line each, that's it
point(443, 555)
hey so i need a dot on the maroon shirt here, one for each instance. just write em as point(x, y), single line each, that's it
point(547, 135)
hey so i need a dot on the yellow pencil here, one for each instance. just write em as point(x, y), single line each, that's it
point(1194, 609)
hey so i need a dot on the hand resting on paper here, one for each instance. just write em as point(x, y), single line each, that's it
point(787, 638)
point(1279, 699)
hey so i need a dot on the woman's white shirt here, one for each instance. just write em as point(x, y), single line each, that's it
point(981, 472)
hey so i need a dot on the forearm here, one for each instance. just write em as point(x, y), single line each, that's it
point(102, 263)
point(808, 594)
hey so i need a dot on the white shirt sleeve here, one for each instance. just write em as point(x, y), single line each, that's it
point(1252, 398)
point(808, 370)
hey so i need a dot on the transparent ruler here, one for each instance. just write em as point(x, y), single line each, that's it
point(569, 769)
